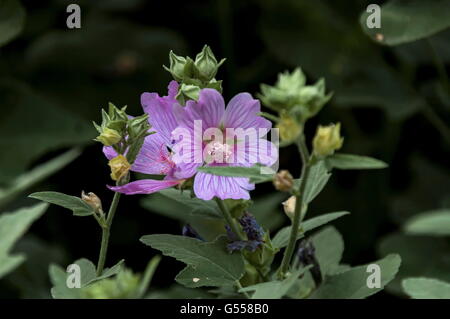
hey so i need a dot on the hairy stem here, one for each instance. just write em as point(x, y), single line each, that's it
point(298, 216)
point(105, 234)
point(229, 219)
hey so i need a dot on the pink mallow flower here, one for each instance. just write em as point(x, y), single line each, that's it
point(167, 118)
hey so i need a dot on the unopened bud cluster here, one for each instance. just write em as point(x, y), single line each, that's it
point(194, 75)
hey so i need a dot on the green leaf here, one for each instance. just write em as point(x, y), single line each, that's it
point(432, 223)
point(274, 289)
point(209, 264)
point(36, 175)
point(12, 226)
point(352, 284)
point(350, 161)
point(180, 205)
point(75, 204)
point(318, 178)
point(58, 277)
point(282, 237)
point(421, 257)
point(407, 21)
point(426, 288)
point(12, 20)
point(60, 290)
point(329, 247)
point(256, 173)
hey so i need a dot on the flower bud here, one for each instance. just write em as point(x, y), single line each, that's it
point(289, 206)
point(188, 92)
point(92, 200)
point(283, 181)
point(207, 64)
point(108, 137)
point(119, 167)
point(138, 126)
point(327, 140)
point(288, 128)
point(176, 68)
point(291, 94)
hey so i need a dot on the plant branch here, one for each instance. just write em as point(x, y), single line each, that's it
point(298, 215)
point(105, 233)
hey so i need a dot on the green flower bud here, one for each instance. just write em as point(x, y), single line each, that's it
point(291, 94)
point(195, 75)
point(207, 64)
point(116, 114)
point(327, 140)
point(188, 92)
point(138, 127)
point(108, 137)
point(176, 68)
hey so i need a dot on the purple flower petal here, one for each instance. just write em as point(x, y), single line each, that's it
point(241, 112)
point(109, 152)
point(153, 158)
point(207, 186)
point(256, 151)
point(144, 186)
point(160, 111)
point(209, 108)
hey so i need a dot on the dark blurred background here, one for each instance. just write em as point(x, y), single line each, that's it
point(54, 82)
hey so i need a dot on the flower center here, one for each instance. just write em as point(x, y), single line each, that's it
point(217, 152)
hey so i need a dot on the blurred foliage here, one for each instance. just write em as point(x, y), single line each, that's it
point(393, 103)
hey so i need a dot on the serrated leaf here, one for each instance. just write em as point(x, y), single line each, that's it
point(318, 178)
point(12, 226)
point(12, 20)
point(426, 288)
point(37, 174)
point(208, 264)
point(407, 21)
point(75, 204)
point(350, 161)
point(432, 223)
point(352, 284)
point(282, 237)
point(257, 173)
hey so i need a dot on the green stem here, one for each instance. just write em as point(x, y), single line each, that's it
point(105, 234)
point(229, 219)
point(239, 286)
point(298, 216)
